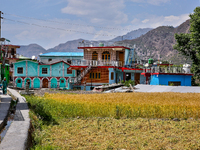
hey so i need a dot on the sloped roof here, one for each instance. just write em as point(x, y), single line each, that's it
point(62, 54)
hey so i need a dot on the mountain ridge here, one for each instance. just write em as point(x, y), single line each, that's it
point(71, 46)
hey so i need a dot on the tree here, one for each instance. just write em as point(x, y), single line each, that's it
point(188, 44)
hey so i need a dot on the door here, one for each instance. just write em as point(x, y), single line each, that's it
point(128, 76)
point(53, 83)
point(78, 72)
point(121, 58)
point(36, 83)
point(137, 78)
point(62, 82)
point(19, 83)
point(45, 83)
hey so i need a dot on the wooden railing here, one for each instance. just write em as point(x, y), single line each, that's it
point(79, 62)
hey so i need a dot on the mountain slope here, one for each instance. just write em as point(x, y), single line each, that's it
point(30, 50)
point(158, 43)
point(132, 35)
point(71, 46)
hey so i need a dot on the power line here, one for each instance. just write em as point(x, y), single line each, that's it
point(67, 23)
point(56, 28)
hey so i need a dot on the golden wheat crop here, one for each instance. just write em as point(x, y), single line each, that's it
point(153, 105)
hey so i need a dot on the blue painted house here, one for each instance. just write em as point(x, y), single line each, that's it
point(53, 57)
point(175, 76)
point(40, 75)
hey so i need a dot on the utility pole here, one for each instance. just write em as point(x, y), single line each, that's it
point(0, 23)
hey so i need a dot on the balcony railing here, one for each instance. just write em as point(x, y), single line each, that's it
point(102, 44)
point(170, 69)
point(79, 62)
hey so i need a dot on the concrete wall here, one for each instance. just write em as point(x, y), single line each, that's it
point(45, 59)
point(164, 79)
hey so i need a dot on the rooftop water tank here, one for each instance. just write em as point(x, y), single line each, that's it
point(101, 44)
point(150, 61)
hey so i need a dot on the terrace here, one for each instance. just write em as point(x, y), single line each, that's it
point(167, 69)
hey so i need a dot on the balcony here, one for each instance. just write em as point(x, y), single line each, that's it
point(102, 44)
point(171, 69)
point(94, 63)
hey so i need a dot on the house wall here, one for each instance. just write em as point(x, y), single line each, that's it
point(45, 59)
point(57, 70)
point(40, 70)
point(32, 68)
point(104, 76)
point(20, 64)
point(111, 70)
point(126, 56)
point(164, 79)
point(88, 54)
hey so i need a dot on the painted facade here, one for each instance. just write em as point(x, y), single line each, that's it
point(168, 75)
point(39, 75)
point(171, 79)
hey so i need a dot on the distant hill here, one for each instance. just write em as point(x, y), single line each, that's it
point(30, 50)
point(71, 46)
point(132, 35)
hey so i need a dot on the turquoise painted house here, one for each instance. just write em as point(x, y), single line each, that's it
point(54, 75)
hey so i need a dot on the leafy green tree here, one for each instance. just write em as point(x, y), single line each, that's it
point(188, 44)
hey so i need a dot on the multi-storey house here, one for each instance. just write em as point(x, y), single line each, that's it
point(42, 75)
point(104, 65)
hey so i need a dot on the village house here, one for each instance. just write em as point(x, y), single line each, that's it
point(52, 57)
point(162, 74)
point(8, 56)
point(104, 65)
point(41, 75)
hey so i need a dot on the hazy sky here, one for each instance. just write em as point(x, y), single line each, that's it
point(51, 22)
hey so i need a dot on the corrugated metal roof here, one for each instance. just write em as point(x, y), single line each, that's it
point(161, 88)
point(62, 54)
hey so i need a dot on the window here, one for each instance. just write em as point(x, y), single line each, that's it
point(20, 70)
point(106, 55)
point(69, 71)
point(18, 81)
point(112, 75)
point(94, 55)
point(62, 81)
point(44, 70)
point(172, 83)
point(95, 75)
point(12, 51)
point(49, 59)
point(69, 61)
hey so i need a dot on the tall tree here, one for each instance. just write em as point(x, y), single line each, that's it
point(188, 44)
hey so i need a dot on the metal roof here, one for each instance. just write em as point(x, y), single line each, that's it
point(161, 88)
point(62, 54)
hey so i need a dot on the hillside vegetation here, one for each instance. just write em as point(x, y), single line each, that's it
point(158, 43)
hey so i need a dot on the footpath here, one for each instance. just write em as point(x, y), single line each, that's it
point(16, 137)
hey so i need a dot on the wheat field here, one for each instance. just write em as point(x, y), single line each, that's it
point(115, 121)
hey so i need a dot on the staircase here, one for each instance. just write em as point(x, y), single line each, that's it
point(79, 77)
